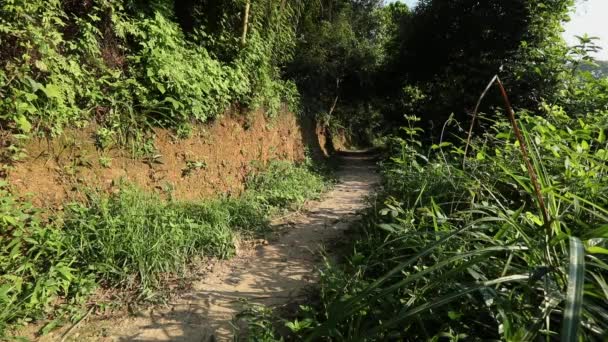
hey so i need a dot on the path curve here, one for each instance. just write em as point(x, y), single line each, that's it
point(270, 274)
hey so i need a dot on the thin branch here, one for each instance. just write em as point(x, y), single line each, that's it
point(245, 23)
point(73, 327)
point(524, 152)
point(333, 106)
point(483, 94)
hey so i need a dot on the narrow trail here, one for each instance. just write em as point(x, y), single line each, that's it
point(272, 274)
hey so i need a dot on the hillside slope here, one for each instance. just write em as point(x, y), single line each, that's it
point(214, 159)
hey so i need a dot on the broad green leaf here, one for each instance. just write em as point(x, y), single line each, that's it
point(41, 65)
point(4, 290)
point(176, 104)
point(50, 326)
point(52, 91)
point(597, 250)
point(23, 124)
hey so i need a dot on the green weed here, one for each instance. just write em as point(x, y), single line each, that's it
point(255, 323)
point(129, 240)
point(132, 238)
point(281, 185)
point(457, 253)
point(192, 165)
point(36, 268)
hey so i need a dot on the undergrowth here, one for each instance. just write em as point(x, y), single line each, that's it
point(455, 252)
point(131, 240)
point(282, 184)
point(137, 64)
point(36, 267)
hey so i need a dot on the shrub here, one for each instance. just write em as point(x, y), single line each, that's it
point(65, 63)
point(281, 184)
point(133, 238)
point(36, 266)
point(462, 252)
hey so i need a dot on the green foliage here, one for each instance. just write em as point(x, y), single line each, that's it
point(455, 252)
point(192, 165)
point(132, 238)
point(36, 268)
point(449, 50)
point(121, 63)
point(246, 214)
point(583, 91)
point(181, 80)
point(281, 184)
point(336, 62)
point(255, 323)
point(460, 251)
point(129, 239)
point(601, 70)
point(458, 247)
point(41, 84)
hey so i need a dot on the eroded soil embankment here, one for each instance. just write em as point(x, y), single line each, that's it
point(214, 159)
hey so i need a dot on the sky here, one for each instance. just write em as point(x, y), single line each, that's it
point(590, 17)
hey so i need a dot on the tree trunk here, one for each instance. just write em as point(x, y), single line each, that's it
point(329, 137)
point(245, 22)
point(333, 106)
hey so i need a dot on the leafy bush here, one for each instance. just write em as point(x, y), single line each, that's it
point(121, 63)
point(281, 184)
point(36, 267)
point(182, 80)
point(41, 84)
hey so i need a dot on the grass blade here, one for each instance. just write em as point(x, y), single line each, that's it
point(574, 295)
point(443, 301)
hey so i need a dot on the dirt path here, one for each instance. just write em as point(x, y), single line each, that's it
point(271, 274)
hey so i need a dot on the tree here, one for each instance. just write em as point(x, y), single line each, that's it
point(337, 58)
point(451, 49)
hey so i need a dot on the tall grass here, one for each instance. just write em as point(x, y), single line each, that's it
point(133, 238)
point(455, 252)
point(130, 239)
point(281, 185)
